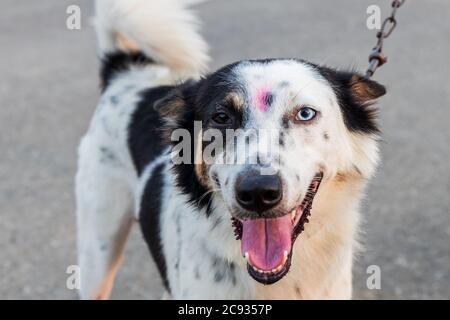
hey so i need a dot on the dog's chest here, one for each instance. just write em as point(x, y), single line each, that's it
point(204, 261)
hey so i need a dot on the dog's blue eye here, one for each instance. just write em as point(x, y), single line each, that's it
point(306, 114)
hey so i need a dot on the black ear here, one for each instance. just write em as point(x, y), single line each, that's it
point(176, 101)
point(171, 104)
point(364, 90)
point(355, 95)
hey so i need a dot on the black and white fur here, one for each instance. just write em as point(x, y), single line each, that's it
point(153, 64)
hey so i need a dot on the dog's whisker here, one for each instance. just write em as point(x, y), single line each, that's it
point(214, 190)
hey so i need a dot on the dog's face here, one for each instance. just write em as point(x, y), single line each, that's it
point(271, 130)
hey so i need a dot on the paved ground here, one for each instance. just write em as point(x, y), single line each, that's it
point(48, 90)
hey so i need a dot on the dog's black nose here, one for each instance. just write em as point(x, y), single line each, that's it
point(258, 193)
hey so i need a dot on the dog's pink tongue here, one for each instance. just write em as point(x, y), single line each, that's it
point(266, 240)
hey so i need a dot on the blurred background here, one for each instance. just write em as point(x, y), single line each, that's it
point(49, 88)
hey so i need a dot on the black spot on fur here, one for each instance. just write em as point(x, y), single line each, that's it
point(216, 179)
point(269, 98)
point(224, 270)
point(232, 272)
point(285, 122)
point(326, 136)
point(281, 139)
point(106, 155)
point(149, 220)
point(118, 62)
point(284, 84)
point(114, 100)
point(218, 276)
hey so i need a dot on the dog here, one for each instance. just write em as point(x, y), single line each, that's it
point(284, 226)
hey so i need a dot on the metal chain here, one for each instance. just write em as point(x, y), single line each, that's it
point(377, 57)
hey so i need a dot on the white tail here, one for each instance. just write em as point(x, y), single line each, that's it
point(164, 30)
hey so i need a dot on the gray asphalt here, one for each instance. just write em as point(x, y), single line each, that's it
point(49, 87)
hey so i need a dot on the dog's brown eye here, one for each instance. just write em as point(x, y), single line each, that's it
point(221, 118)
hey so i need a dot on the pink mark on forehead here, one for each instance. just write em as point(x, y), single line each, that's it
point(261, 99)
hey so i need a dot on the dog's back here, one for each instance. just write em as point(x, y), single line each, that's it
point(145, 46)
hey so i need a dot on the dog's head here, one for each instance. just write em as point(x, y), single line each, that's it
point(262, 135)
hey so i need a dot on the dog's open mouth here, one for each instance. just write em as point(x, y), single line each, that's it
point(267, 244)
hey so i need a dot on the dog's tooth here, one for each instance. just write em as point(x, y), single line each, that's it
point(256, 269)
point(285, 256)
point(246, 256)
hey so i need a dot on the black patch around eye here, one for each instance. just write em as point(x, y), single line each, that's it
point(199, 101)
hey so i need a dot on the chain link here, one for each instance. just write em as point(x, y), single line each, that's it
point(377, 57)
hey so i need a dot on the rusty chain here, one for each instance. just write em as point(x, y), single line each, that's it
point(377, 57)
